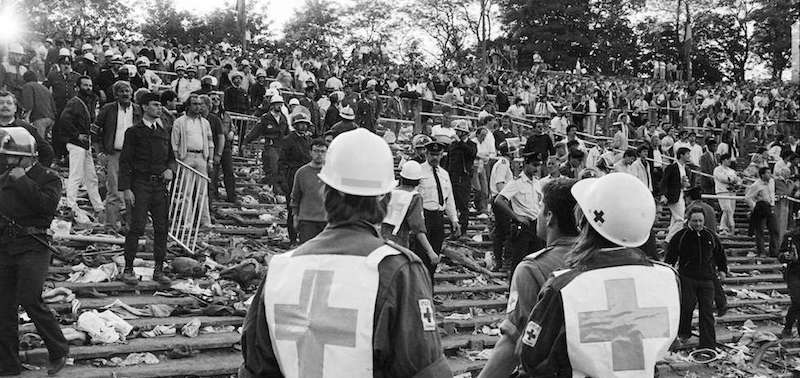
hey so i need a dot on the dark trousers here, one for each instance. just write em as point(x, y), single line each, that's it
point(522, 241)
point(152, 198)
point(698, 293)
point(270, 165)
point(288, 183)
point(762, 215)
point(226, 163)
point(502, 226)
point(461, 192)
point(307, 230)
point(793, 314)
point(434, 224)
point(22, 277)
point(720, 300)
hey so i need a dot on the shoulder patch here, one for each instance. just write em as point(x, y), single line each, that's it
point(426, 314)
point(405, 251)
point(532, 331)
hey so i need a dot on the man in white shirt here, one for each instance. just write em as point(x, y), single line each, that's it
point(695, 150)
point(521, 200)
point(725, 182)
point(500, 177)
point(436, 190)
point(484, 140)
point(761, 197)
point(517, 110)
point(560, 123)
point(446, 127)
point(642, 168)
point(783, 166)
point(193, 144)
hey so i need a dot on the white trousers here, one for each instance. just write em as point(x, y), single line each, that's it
point(82, 172)
point(677, 212)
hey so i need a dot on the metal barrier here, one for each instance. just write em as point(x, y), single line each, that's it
point(188, 201)
point(243, 124)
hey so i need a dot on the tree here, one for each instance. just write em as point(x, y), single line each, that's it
point(557, 30)
point(772, 40)
point(370, 21)
point(314, 28)
point(444, 22)
point(480, 25)
point(71, 19)
point(165, 22)
point(613, 44)
point(724, 38)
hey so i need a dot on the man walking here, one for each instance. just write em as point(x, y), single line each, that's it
point(760, 195)
point(306, 200)
point(146, 166)
point(460, 163)
point(296, 152)
point(273, 126)
point(677, 177)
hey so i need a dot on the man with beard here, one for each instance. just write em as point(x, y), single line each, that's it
point(8, 111)
point(74, 131)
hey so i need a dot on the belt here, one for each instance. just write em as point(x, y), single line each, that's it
point(195, 151)
point(433, 211)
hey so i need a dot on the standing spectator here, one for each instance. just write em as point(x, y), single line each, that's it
point(258, 90)
point(62, 82)
point(308, 100)
point(725, 183)
point(521, 201)
point(192, 141)
point(236, 99)
point(113, 120)
point(146, 166)
point(332, 115)
point(306, 198)
point(789, 256)
point(501, 176)
point(460, 164)
point(676, 179)
point(539, 143)
point(226, 160)
point(574, 164)
point(760, 196)
point(708, 165)
point(218, 136)
point(642, 168)
point(273, 126)
point(38, 104)
point(295, 153)
point(699, 255)
point(12, 70)
point(484, 140)
point(74, 131)
point(368, 110)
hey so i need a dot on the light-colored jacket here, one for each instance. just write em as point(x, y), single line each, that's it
point(180, 130)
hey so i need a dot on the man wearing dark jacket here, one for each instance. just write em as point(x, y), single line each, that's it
point(699, 255)
point(273, 126)
point(677, 177)
point(112, 121)
point(8, 110)
point(460, 159)
point(296, 152)
point(37, 101)
point(539, 143)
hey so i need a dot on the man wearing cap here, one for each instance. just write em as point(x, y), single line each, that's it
point(273, 126)
point(521, 201)
point(206, 85)
point(113, 120)
point(420, 142)
point(107, 77)
point(308, 100)
point(461, 156)
point(258, 90)
point(62, 83)
point(306, 202)
point(368, 110)
point(247, 76)
point(236, 98)
point(183, 85)
point(295, 153)
point(436, 189)
point(144, 76)
point(87, 65)
point(346, 124)
point(146, 166)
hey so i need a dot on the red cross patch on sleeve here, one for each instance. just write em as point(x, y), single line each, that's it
point(426, 315)
point(532, 331)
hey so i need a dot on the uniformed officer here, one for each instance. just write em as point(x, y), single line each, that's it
point(612, 312)
point(557, 227)
point(789, 256)
point(437, 199)
point(521, 201)
point(29, 195)
point(146, 166)
point(418, 142)
point(273, 127)
point(346, 303)
point(461, 156)
point(295, 153)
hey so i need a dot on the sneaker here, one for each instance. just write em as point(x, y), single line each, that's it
point(130, 278)
point(161, 278)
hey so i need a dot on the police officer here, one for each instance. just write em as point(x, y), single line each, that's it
point(557, 227)
point(521, 201)
point(789, 256)
point(273, 127)
point(612, 310)
point(346, 304)
point(437, 201)
point(295, 153)
point(146, 166)
point(460, 164)
point(8, 111)
point(29, 195)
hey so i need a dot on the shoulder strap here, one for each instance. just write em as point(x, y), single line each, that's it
point(405, 251)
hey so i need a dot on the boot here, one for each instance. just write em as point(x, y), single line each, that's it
point(159, 276)
point(56, 365)
point(129, 277)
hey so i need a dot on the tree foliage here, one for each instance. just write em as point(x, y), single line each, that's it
point(772, 38)
point(314, 28)
point(70, 19)
point(444, 21)
point(165, 22)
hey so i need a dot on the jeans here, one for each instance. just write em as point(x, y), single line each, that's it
point(762, 215)
point(698, 293)
point(226, 163)
point(198, 162)
point(22, 277)
point(82, 171)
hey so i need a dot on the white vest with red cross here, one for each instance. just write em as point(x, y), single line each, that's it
point(319, 311)
point(620, 320)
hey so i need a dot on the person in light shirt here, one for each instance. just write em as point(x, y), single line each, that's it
point(484, 140)
point(695, 150)
point(760, 195)
point(437, 196)
point(725, 182)
point(500, 177)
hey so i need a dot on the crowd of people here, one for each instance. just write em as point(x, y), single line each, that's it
point(520, 148)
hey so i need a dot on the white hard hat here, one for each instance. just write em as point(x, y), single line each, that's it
point(277, 99)
point(618, 206)
point(87, 46)
point(64, 52)
point(17, 141)
point(275, 85)
point(347, 113)
point(143, 61)
point(108, 53)
point(294, 101)
point(411, 170)
point(90, 57)
point(16, 48)
point(359, 163)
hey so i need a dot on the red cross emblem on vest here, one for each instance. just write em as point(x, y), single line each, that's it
point(624, 324)
point(313, 324)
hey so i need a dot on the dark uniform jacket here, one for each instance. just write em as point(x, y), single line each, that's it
point(331, 117)
point(549, 356)
point(343, 126)
point(63, 87)
point(461, 159)
point(31, 201)
point(790, 248)
point(76, 119)
point(107, 124)
point(697, 253)
point(145, 153)
point(272, 129)
point(237, 100)
point(316, 117)
point(43, 147)
point(401, 348)
point(541, 144)
point(257, 93)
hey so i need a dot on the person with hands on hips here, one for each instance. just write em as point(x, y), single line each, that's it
point(146, 167)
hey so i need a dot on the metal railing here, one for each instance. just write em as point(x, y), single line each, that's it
point(188, 202)
point(242, 124)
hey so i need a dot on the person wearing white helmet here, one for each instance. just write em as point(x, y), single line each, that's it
point(12, 71)
point(258, 90)
point(346, 124)
point(273, 126)
point(236, 99)
point(388, 329)
point(145, 78)
point(611, 312)
point(295, 153)
point(405, 223)
point(29, 194)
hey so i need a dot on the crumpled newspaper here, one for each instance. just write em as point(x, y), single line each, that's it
point(134, 359)
point(105, 327)
point(84, 274)
point(191, 329)
point(190, 287)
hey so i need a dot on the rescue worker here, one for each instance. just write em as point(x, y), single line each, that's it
point(273, 125)
point(559, 230)
point(699, 256)
point(146, 166)
point(8, 111)
point(521, 201)
point(295, 153)
point(418, 142)
point(29, 196)
point(437, 200)
point(404, 217)
point(789, 256)
point(305, 320)
point(612, 311)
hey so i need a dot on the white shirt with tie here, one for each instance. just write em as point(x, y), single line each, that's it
point(430, 197)
point(124, 122)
